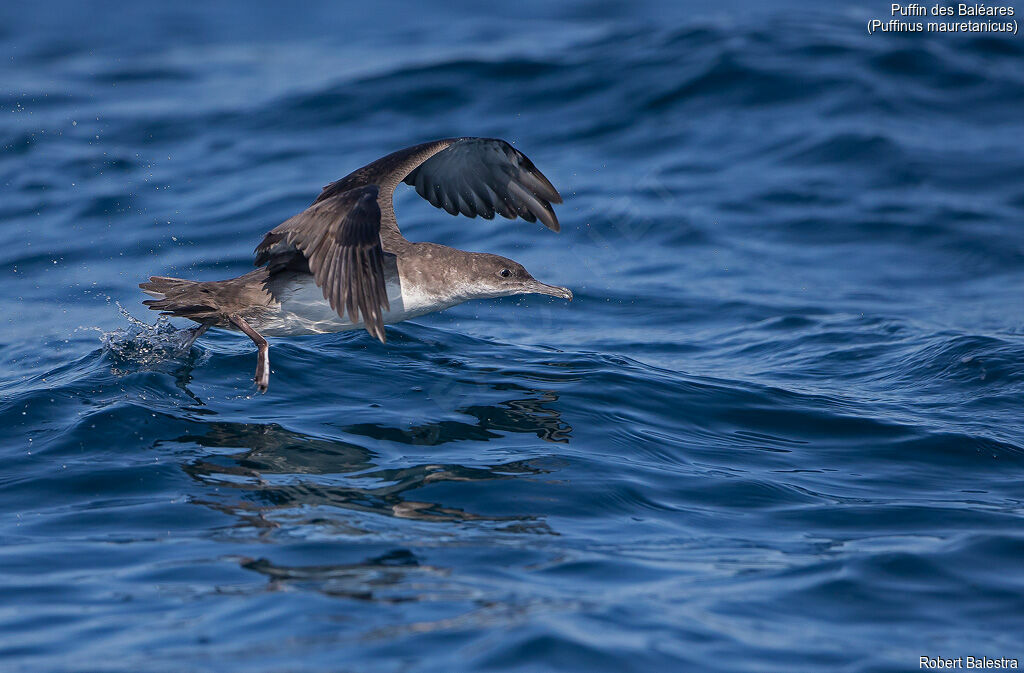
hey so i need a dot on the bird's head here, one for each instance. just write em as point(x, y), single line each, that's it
point(497, 276)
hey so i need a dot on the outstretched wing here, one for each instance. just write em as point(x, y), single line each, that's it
point(340, 239)
point(484, 176)
point(472, 176)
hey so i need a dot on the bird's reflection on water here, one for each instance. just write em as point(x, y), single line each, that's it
point(272, 478)
point(281, 473)
point(377, 579)
point(522, 415)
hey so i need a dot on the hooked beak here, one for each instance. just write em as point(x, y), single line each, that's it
point(553, 290)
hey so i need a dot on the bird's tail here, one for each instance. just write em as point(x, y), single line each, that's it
point(180, 297)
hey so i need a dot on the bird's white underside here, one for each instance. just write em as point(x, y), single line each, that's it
point(303, 309)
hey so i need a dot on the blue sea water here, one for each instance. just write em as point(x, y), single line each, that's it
point(779, 428)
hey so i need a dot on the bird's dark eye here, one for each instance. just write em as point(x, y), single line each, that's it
point(504, 273)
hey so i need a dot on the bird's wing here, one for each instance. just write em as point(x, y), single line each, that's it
point(472, 176)
point(484, 176)
point(339, 237)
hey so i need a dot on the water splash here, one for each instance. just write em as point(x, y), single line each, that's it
point(143, 344)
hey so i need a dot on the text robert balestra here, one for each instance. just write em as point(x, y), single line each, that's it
point(945, 663)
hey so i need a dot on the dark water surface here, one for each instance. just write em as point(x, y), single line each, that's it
point(779, 429)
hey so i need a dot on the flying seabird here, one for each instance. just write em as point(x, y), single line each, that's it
point(343, 264)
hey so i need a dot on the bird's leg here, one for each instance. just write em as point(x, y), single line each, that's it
point(262, 377)
point(196, 332)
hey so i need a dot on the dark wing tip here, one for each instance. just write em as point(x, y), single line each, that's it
point(377, 332)
point(539, 182)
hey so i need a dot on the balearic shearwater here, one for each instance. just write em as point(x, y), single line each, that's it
point(343, 264)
